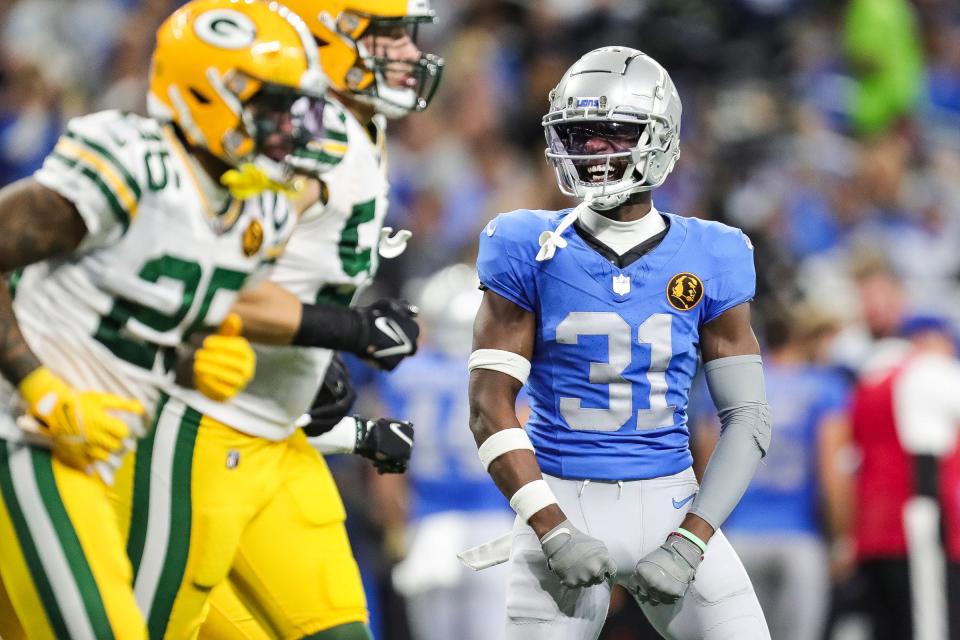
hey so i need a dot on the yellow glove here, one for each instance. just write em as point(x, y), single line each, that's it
point(79, 422)
point(248, 181)
point(225, 362)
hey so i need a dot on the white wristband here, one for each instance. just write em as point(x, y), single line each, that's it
point(342, 438)
point(502, 441)
point(532, 497)
point(507, 362)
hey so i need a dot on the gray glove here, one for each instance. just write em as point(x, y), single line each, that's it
point(663, 575)
point(578, 559)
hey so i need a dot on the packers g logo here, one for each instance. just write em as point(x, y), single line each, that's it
point(252, 238)
point(684, 291)
point(225, 28)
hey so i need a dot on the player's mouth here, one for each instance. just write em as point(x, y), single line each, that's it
point(599, 172)
point(603, 172)
point(407, 82)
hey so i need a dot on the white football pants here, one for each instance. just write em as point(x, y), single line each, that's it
point(445, 599)
point(632, 519)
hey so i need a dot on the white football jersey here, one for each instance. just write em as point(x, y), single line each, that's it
point(330, 258)
point(160, 260)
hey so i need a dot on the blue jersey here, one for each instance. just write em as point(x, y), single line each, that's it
point(445, 472)
point(616, 348)
point(783, 495)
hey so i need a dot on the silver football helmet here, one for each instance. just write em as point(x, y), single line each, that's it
point(448, 301)
point(613, 128)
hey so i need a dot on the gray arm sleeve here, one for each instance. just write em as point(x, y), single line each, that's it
point(736, 385)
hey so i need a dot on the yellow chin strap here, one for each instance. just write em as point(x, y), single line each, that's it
point(248, 180)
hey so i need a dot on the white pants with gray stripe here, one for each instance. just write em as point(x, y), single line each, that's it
point(632, 518)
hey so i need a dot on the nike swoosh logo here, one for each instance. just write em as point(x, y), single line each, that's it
point(677, 505)
point(390, 328)
point(395, 427)
point(491, 228)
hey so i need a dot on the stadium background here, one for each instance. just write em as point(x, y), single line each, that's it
point(828, 130)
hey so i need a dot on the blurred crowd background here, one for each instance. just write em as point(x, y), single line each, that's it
point(829, 130)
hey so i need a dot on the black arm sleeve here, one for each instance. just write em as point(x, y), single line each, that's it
point(331, 327)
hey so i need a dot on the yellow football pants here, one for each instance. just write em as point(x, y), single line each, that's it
point(230, 619)
point(62, 564)
point(10, 627)
point(206, 503)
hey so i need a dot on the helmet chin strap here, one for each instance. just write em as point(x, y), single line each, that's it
point(551, 241)
point(605, 203)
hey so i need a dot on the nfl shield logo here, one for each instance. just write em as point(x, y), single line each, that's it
point(621, 285)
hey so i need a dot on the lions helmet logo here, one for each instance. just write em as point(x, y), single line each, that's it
point(252, 239)
point(684, 291)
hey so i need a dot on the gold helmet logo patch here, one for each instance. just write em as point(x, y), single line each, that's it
point(252, 238)
point(684, 291)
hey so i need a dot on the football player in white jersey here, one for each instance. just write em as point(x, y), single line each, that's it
point(128, 246)
point(279, 518)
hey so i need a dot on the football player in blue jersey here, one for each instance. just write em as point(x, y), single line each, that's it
point(452, 502)
point(602, 311)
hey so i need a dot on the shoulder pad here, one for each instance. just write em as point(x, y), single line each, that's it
point(521, 229)
point(114, 129)
point(719, 240)
point(99, 165)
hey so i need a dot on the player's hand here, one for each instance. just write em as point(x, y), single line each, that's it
point(389, 332)
point(578, 559)
point(333, 400)
point(224, 363)
point(664, 575)
point(388, 443)
point(81, 424)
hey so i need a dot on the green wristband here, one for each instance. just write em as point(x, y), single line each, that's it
point(680, 531)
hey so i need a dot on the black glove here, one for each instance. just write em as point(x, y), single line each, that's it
point(387, 442)
point(383, 333)
point(333, 400)
point(389, 332)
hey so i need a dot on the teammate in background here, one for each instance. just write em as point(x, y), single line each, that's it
point(265, 500)
point(131, 246)
point(776, 527)
point(602, 310)
point(453, 504)
point(905, 417)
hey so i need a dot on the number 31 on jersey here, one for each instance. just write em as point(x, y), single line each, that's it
point(656, 334)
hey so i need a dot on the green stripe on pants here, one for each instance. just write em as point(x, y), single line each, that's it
point(70, 543)
point(40, 579)
point(140, 509)
point(178, 543)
